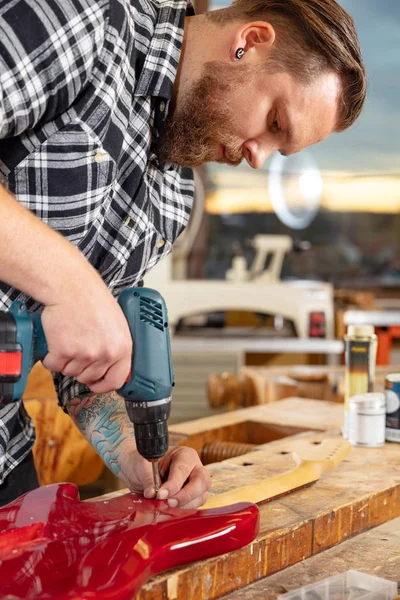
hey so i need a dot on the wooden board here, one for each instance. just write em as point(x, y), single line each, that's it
point(321, 382)
point(61, 452)
point(265, 423)
point(376, 552)
point(260, 385)
point(303, 461)
point(363, 492)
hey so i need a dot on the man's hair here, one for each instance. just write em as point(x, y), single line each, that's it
point(312, 36)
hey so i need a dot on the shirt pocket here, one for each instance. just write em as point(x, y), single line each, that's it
point(66, 181)
point(151, 248)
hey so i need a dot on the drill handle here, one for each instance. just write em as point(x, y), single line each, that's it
point(40, 349)
point(151, 377)
point(29, 333)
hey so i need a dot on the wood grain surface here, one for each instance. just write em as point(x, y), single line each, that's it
point(254, 479)
point(61, 452)
point(376, 552)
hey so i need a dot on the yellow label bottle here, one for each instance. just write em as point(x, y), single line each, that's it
point(360, 347)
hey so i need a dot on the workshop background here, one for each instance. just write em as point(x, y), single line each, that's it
point(354, 235)
point(337, 206)
point(311, 243)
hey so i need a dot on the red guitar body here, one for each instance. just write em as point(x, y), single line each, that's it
point(54, 547)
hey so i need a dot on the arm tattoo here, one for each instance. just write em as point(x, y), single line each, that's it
point(104, 422)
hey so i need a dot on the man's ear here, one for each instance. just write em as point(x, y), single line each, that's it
point(255, 38)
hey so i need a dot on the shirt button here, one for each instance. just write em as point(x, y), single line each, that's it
point(100, 157)
point(162, 106)
point(160, 243)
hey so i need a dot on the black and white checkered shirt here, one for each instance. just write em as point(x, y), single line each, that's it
point(84, 89)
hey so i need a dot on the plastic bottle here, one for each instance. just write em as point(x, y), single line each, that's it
point(360, 355)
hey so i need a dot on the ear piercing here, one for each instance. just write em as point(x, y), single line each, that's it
point(239, 53)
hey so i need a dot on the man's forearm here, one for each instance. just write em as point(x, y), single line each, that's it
point(28, 265)
point(103, 420)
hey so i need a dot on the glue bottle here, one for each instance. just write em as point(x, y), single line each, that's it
point(360, 352)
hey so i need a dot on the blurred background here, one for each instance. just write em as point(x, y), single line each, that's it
point(277, 262)
point(354, 235)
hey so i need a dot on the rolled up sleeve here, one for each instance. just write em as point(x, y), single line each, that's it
point(48, 50)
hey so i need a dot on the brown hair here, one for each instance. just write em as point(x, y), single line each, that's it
point(312, 36)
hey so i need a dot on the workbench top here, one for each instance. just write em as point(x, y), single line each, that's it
point(363, 492)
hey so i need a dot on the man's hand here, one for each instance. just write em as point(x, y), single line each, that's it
point(103, 421)
point(186, 481)
point(86, 331)
point(88, 338)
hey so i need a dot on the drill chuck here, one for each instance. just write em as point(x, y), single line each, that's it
point(150, 421)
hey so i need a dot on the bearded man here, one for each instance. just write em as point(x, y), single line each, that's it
point(105, 105)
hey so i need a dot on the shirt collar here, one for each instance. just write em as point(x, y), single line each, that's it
point(162, 58)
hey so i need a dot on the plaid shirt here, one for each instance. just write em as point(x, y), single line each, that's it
point(84, 90)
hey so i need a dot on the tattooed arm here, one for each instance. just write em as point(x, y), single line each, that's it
point(104, 422)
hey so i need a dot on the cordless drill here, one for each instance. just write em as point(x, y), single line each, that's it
point(147, 391)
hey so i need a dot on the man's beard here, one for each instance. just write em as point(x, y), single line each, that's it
point(204, 120)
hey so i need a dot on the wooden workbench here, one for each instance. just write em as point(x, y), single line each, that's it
point(362, 493)
point(376, 552)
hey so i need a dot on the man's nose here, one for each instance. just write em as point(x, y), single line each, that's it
point(256, 154)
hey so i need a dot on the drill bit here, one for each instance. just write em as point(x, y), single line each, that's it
point(157, 478)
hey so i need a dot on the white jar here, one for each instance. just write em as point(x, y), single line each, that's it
point(366, 420)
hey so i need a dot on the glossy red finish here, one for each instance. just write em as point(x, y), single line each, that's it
point(52, 546)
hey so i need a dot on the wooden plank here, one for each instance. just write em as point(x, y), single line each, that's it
point(323, 382)
point(40, 384)
point(260, 385)
point(61, 452)
point(310, 456)
point(376, 552)
point(297, 413)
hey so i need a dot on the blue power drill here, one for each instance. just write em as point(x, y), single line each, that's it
point(147, 392)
